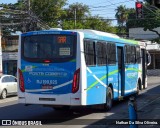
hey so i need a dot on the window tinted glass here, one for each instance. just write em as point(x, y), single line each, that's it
point(101, 53)
point(130, 56)
point(89, 51)
point(111, 53)
point(133, 54)
point(138, 59)
point(56, 47)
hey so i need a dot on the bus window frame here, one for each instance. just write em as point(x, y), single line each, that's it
point(52, 60)
point(104, 54)
point(114, 62)
point(94, 50)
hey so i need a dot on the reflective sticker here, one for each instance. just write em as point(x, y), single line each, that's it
point(132, 74)
point(28, 68)
point(64, 51)
point(29, 81)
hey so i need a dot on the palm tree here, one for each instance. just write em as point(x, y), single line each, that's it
point(121, 15)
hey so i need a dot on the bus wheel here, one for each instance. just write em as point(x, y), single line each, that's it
point(138, 85)
point(109, 99)
point(3, 94)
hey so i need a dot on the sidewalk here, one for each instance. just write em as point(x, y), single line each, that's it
point(148, 107)
point(150, 111)
point(153, 72)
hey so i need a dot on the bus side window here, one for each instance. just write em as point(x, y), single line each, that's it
point(89, 51)
point(111, 53)
point(148, 58)
point(138, 58)
point(133, 54)
point(128, 54)
point(101, 53)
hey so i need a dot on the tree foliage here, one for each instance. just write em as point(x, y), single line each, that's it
point(50, 13)
point(126, 18)
point(150, 21)
point(121, 15)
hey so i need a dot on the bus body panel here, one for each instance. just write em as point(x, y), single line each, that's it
point(131, 78)
point(41, 78)
point(95, 88)
point(48, 83)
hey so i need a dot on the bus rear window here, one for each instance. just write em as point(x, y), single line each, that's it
point(53, 47)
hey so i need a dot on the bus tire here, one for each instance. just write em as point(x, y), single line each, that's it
point(3, 94)
point(109, 99)
point(138, 86)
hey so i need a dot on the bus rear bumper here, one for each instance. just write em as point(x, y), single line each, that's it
point(62, 99)
point(21, 100)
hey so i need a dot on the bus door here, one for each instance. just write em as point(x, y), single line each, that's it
point(121, 70)
point(144, 67)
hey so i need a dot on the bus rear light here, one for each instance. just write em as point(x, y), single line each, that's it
point(76, 80)
point(21, 81)
point(47, 61)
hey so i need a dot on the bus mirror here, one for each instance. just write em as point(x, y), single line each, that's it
point(148, 57)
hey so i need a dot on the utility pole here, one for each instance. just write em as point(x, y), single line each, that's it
point(75, 18)
point(1, 71)
point(29, 6)
point(153, 3)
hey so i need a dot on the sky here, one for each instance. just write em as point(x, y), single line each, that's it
point(103, 8)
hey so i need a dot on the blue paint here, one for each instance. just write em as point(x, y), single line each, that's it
point(53, 75)
point(132, 113)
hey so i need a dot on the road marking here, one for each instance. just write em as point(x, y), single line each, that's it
point(8, 99)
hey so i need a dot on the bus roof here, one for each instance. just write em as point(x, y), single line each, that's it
point(95, 32)
point(101, 35)
point(88, 33)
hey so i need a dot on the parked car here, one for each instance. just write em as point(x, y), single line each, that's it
point(8, 86)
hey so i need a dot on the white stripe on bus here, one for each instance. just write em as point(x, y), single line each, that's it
point(97, 78)
point(115, 90)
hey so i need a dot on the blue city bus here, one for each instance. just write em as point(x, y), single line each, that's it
point(64, 68)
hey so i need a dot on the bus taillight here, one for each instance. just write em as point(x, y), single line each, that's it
point(76, 79)
point(21, 81)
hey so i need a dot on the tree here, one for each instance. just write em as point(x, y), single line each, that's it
point(80, 14)
point(122, 16)
point(49, 11)
point(11, 18)
point(38, 15)
point(98, 23)
point(75, 15)
point(150, 21)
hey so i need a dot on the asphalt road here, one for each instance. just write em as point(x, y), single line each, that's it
point(83, 117)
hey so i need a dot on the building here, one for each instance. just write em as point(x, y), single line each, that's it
point(154, 50)
point(9, 54)
point(140, 34)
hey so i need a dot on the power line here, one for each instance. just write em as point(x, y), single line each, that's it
point(108, 1)
point(104, 6)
